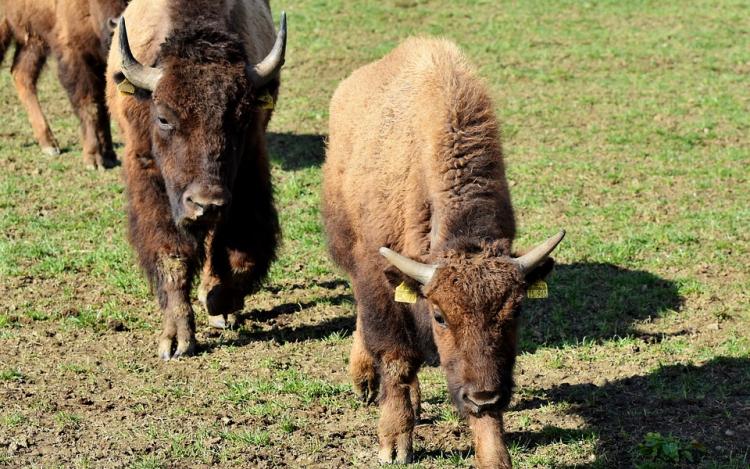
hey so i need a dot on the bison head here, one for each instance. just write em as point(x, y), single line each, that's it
point(474, 300)
point(104, 16)
point(204, 110)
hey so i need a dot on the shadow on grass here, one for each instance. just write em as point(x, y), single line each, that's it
point(293, 151)
point(280, 332)
point(708, 403)
point(593, 301)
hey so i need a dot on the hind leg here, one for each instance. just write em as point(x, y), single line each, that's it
point(27, 65)
point(362, 368)
point(85, 87)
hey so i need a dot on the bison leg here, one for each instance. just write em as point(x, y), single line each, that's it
point(491, 452)
point(27, 65)
point(178, 333)
point(167, 255)
point(85, 87)
point(209, 292)
point(398, 415)
point(209, 287)
point(240, 252)
point(362, 368)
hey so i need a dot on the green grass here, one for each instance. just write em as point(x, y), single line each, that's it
point(623, 122)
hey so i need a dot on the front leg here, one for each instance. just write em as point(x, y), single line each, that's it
point(398, 415)
point(362, 369)
point(240, 251)
point(173, 287)
point(166, 254)
point(491, 452)
point(210, 289)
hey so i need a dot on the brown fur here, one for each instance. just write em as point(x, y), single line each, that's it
point(217, 140)
point(77, 33)
point(415, 164)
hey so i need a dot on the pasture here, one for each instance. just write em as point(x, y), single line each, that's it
point(625, 123)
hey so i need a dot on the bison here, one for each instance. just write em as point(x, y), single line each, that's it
point(414, 169)
point(78, 34)
point(190, 84)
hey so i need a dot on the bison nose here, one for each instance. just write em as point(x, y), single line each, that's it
point(205, 203)
point(481, 401)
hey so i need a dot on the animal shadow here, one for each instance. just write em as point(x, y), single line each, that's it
point(708, 403)
point(280, 319)
point(594, 301)
point(292, 151)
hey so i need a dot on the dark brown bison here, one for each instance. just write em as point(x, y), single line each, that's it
point(415, 170)
point(189, 82)
point(77, 33)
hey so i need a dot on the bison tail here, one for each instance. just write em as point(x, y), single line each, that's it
point(5, 36)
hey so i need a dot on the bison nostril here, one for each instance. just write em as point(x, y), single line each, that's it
point(206, 205)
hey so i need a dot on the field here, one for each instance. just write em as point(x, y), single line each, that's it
point(625, 123)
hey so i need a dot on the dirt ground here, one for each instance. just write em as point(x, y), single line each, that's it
point(98, 397)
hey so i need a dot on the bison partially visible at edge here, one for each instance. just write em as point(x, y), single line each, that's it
point(190, 83)
point(415, 169)
point(78, 34)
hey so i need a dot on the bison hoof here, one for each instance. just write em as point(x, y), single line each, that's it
point(51, 151)
point(366, 390)
point(98, 162)
point(109, 163)
point(221, 321)
point(218, 321)
point(402, 457)
point(183, 348)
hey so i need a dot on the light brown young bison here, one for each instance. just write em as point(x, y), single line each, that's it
point(415, 170)
point(189, 82)
point(77, 33)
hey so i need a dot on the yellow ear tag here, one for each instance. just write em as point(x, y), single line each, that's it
point(265, 101)
point(126, 88)
point(537, 290)
point(405, 294)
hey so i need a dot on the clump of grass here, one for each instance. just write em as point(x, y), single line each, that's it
point(256, 437)
point(67, 420)
point(668, 449)
point(11, 375)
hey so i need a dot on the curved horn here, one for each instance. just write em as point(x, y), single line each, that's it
point(262, 73)
point(529, 261)
point(143, 77)
point(422, 273)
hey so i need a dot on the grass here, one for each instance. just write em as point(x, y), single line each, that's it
point(623, 122)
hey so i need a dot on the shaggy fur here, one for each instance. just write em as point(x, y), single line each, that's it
point(77, 33)
point(217, 139)
point(415, 164)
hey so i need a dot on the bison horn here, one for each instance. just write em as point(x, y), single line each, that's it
point(422, 273)
point(529, 261)
point(143, 77)
point(262, 73)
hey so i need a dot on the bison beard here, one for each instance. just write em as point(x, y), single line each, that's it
point(196, 166)
point(80, 48)
point(414, 166)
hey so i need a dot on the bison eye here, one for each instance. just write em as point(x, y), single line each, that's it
point(439, 318)
point(164, 124)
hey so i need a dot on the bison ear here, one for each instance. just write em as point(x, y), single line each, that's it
point(395, 278)
point(541, 271)
point(124, 87)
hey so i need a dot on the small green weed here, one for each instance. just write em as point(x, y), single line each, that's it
point(148, 462)
point(668, 449)
point(67, 420)
point(256, 437)
point(11, 375)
